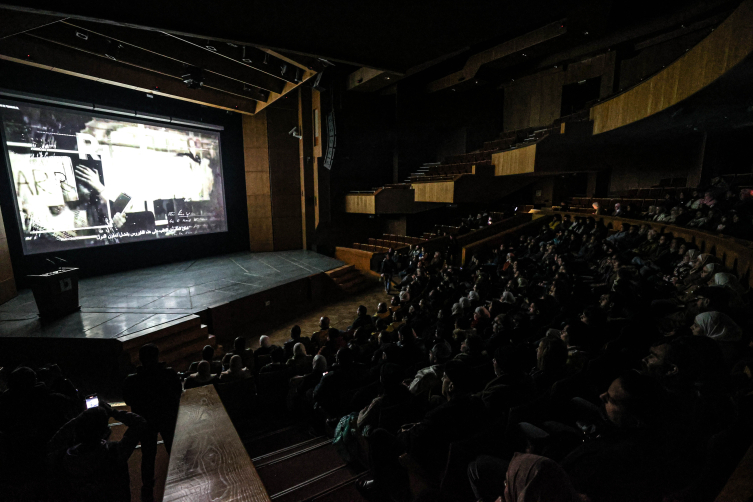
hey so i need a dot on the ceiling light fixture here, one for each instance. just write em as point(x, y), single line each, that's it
point(211, 48)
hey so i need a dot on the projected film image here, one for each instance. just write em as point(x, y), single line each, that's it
point(81, 180)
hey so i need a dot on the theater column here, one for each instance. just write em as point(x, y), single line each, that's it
point(258, 195)
point(7, 281)
point(306, 152)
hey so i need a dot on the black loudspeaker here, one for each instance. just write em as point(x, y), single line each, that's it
point(56, 293)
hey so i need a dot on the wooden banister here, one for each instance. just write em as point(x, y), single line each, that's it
point(208, 460)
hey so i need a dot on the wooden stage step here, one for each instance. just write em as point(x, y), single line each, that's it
point(179, 341)
point(349, 279)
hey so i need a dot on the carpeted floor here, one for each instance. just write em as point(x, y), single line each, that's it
point(341, 314)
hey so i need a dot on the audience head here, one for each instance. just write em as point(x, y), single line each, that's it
point(382, 308)
point(440, 353)
point(22, 379)
point(531, 478)
point(299, 349)
point(149, 354)
point(204, 369)
point(473, 344)
point(239, 345)
point(633, 400)
point(345, 357)
point(236, 364)
point(264, 342)
point(295, 332)
point(509, 360)
point(91, 426)
point(457, 379)
point(324, 323)
point(688, 362)
point(319, 363)
point(551, 354)
point(361, 310)
point(207, 353)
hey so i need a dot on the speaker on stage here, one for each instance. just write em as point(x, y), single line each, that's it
point(56, 293)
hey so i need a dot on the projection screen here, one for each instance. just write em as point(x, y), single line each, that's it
point(83, 180)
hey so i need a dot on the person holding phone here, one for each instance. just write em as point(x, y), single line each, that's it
point(97, 469)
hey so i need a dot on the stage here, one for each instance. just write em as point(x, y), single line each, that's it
point(223, 296)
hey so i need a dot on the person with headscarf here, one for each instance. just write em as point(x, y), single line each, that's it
point(683, 268)
point(717, 326)
point(695, 275)
point(529, 478)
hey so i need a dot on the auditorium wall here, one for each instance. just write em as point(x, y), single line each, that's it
point(536, 100)
point(646, 164)
point(107, 259)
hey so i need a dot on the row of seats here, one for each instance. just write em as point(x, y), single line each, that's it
point(370, 247)
point(468, 158)
point(404, 239)
point(608, 203)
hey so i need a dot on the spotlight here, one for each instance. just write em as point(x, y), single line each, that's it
point(283, 69)
point(266, 58)
point(297, 76)
point(193, 78)
point(294, 132)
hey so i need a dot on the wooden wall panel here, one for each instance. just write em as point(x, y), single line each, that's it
point(284, 177)
point(518, 161)
point(435, 192)
point(365, 204)
point(258, 196)
point(710, 59)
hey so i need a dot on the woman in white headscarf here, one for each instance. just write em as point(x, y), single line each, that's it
point(717, 326)
point(731, 284)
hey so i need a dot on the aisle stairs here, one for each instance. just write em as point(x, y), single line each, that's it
point(348, 279)
point(296, 465)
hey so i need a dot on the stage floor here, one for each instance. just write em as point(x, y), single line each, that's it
point(120, 304)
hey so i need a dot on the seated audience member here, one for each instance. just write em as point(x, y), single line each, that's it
point(203, 376)
point(302, 387)
point(207, 354)
point(320, 338)
point(300, 363)
point(511, 385)
point(528, 478)
point(346, 375)
point(362, 319)
point(428, 441)
point(97, 469)
point(265, 349)
point(236, 372)
point(428, 381)
point(239, 348)
point(393, 396)
point(295, 337)
point(472, 351)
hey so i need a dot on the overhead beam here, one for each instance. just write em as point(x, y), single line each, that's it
point(475, 62)
point(26, 50)
point(15, 23)
point(242, 26)
point(273, 96)
point(146, 61)
point(177, 50)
